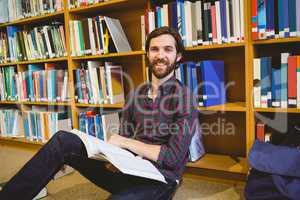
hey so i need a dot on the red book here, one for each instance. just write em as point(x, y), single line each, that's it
point(292, 81)
point(260, 131)
point(214, 23)
point(254, 19)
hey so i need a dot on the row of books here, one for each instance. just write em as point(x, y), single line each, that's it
point(98, 82)
point(33, 125)
point(11, 10)
point(97, 35)
point(199, 22)
point(277, 81)
point(35, 84)
point(101, 125)
point(35, 43)
point(83, 3)
point(206, 80)
point(275, 19)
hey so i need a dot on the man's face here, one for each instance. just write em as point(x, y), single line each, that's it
point(162, 55)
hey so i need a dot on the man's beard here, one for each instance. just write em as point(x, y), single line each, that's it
point(166, 72)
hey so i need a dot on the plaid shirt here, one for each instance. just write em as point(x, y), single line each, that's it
point(169, 121)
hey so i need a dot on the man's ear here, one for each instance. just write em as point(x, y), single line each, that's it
point(178, 57)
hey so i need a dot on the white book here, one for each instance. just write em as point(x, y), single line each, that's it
point(218, 22)
point(188, 22)
point(117, 33)
point(164, 15)
point(242, 21)
point(122, 159)
point(256, 86)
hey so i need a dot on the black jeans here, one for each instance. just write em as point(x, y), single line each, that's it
point(66, 148)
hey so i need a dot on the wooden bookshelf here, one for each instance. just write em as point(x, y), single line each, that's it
point(277, 40)
point(238, 58)
point(215, 46)
point(273, 110)
point(108, 5)
point(100, 105)
point(232, 107)
point(19, 140)
point(221, 163)
point(35, 19)
point(110, 55)
point(46, 103)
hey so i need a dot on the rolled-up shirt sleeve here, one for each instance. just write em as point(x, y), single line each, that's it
point(174, 154)
point(127, 124)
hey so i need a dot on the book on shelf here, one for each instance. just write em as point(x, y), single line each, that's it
point(122, 159)
point(19, 9)
point(199, 22)
point(205, 79)
point(11, 123)
point(41, 125)
point(101, 125)
point(275, 19)
point(276, 81)
point(98, 82)
point(97, 35)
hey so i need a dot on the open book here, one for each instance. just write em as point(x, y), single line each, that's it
point(122, 159)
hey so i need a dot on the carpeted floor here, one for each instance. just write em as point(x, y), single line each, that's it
point(76, 187)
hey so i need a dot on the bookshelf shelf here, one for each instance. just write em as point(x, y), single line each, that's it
point(46, 103)
point(35, 61)
point(215, 46)
point(9, 102)
point(287, 110)
point(20, 140)
point(274, 41)
point(35, 19)
point(110, 55)
point(234, 107)
point(100, 105)
point(221, 163)
point(112, 4)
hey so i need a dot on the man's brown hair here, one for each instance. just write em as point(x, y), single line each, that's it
point(166, 30)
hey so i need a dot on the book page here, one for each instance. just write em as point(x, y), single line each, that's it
point(124, 160)
point(96, 147)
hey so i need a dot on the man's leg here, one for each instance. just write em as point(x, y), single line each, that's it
point(41, 168)
point(145, 189)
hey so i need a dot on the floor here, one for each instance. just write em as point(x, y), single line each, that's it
point(76, 187)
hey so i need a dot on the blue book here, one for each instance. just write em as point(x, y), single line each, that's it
point(182, 72)
point(265, 64)
point(53, 85)
point(189, 78)
point(91, 125)
point(261, 18)
point(223, 20)
point(42, 77)
point(270, 18)
point(292, 17)
point(276, 87)
point(158, 16)
point(82, 122)
point(78, 85)
point(182, 16)
point(280, 18)
point(26, 125)
point(174, 15)
point(32, 68)
point(99, 127)
point(286, 25)
point(213, 85)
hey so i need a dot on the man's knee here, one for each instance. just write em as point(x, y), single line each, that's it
point(68, 141)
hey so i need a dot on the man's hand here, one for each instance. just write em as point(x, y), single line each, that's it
point(118, 140)
point(111, 168)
